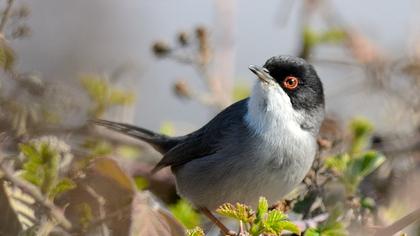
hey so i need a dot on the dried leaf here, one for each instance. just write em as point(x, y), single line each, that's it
point(149, 218)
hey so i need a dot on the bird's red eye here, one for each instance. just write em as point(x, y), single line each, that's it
point(291, 82)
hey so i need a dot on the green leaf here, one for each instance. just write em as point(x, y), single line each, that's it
point(338, 163)
point(7, 56)
point(197, 231)
point(103, 94)
point(30, 152)
point(310, 37)
point(312, 232)
point(334, 229)
point(367, 163)
point(334, 226)
point(273, 222)
point(239, 212)
point(290, 226)
point(334, 35)
point(62, 186)
point(262, 208)
point(368, 203)
point(361, 128)
point(359, 167)
point(128, 151)
point(98, 147)
point(141, 183)
point(185, 213)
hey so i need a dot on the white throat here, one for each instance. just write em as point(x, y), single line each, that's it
point(270, 110)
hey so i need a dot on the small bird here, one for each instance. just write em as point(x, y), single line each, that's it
point(260, 146)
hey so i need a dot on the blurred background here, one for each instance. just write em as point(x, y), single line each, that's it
point(170, 66)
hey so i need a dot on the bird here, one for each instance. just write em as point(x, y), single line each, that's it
point(263, 145)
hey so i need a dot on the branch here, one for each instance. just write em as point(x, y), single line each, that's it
point(53, 210)
point(101, 206)
point(399, 224)
point(6, 15)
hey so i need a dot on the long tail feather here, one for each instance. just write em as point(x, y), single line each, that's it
point(161, 143)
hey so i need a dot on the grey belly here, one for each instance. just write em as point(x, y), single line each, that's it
point(242, 177)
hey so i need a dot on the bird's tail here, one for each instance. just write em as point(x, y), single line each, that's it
point(160, 142)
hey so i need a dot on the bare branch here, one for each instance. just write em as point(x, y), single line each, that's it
point(399, 224)
point(6, 15)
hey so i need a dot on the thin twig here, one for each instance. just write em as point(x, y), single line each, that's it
point(217, 222)
point(101, 206)
point(6, 15)
point(399, 224)
point(53, 210)
point(109, 216)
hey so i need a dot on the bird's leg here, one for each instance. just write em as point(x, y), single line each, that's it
point(217, 222)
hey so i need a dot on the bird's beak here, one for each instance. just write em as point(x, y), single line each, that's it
point(262, 73)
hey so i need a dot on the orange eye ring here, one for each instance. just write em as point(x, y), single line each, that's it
point(291, 82)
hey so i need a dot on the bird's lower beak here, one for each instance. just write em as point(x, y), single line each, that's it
point(262, 73)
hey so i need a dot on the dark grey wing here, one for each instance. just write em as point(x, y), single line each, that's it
point(206, 140)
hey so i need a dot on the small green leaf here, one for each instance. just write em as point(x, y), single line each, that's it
point(197, 231)
point(141, 183)
point(333, 35)
point(368, 203)
point(290, 226)
point(185, 213)
point(338, 163)
point(7, 56)
point(312, 232)
point(239, 212)
point(262, 207)
point(368, 162)
point(361, 129)
point(62, 186)
point(273, 222)
point(30, 152)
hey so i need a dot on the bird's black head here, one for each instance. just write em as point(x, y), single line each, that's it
point(297, 78)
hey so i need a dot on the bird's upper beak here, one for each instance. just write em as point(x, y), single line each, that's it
point(262, 73)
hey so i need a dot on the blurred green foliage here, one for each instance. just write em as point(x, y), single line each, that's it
point(141, 183)
point(41, 166)
point(241, 91)
point(104, 95)
point(86, 215)
point(185, 213)
point(312, 38)
point(262, 222)
point(167, 128)
point(197, 231)
point(354, 166)
point(334, 226)
point(7, 56)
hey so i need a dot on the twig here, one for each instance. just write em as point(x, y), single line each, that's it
point(217, 222)
point(6, 15)
point(399, 224)
point(101, 206)
point(109, 217)
point(53, 210)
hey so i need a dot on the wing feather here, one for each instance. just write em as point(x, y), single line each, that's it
point(207, 140)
